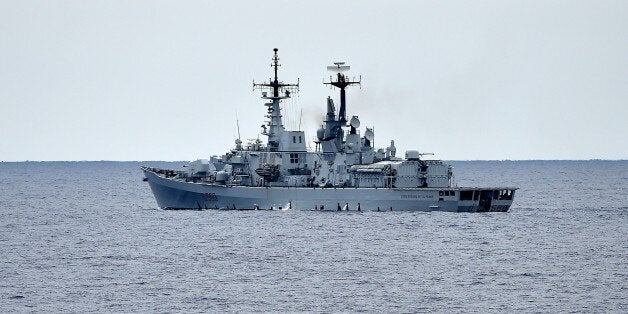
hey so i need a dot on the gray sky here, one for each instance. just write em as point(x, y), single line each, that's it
point(163, 80)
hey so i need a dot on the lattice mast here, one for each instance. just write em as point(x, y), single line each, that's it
point(278, 91)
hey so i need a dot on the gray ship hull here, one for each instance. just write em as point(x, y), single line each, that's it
point(177, 194)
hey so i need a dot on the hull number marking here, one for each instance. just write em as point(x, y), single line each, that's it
point(415, 196)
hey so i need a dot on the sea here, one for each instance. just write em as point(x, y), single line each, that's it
point(81, 237)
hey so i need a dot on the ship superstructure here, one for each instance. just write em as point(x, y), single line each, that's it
point(344, 171)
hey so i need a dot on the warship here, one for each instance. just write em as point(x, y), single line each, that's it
point(343, 172)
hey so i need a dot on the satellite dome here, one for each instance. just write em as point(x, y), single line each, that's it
point(320, 134)
point(355, 122)
point(369, 135)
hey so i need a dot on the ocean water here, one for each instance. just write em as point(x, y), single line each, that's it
point(87, 237)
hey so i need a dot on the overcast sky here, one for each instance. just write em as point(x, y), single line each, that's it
point(164, 80)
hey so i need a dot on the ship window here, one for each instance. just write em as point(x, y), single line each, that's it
point(453, 193)
point(466, 195)
point(476, 195)
point(294, 158)
point(300, 139)
point(294, 139)
point(505, 195)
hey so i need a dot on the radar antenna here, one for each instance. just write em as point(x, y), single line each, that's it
point(279, 89)
point(338, 67)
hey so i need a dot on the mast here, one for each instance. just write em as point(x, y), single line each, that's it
point(278, 91)
point(341, 82)
point(331, 136)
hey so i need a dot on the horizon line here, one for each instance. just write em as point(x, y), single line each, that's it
point(106, 160)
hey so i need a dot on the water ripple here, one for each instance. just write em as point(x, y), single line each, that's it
point(85, 237)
